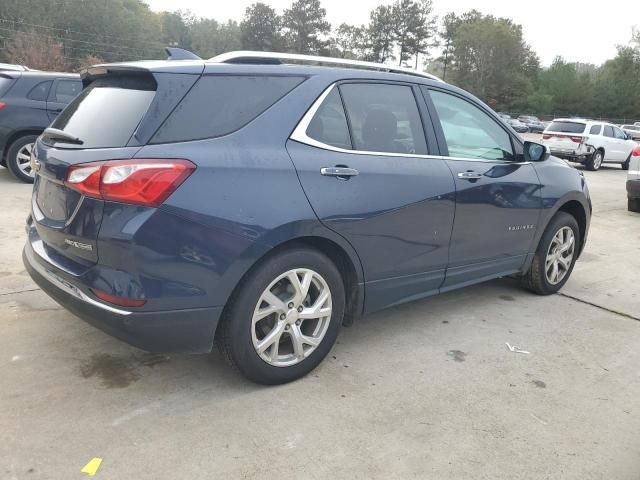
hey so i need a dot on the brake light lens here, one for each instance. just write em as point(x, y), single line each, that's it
point(2, 105)
point(147, 182)
point(121, 301)
point(546, 136)
point(576, 139)
point(636, 151)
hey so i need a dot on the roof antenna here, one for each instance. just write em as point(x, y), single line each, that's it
point(175, 53)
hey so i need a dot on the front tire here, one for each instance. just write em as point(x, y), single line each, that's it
point(594, 162)
point(555, 256)
point(284, 318)
point(19, 158)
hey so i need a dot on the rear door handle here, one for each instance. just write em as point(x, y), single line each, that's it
point(470, 175)
point(340, 172)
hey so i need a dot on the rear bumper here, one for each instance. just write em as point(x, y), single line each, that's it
point(633, 188)
point(168, 331)
point(571, 155)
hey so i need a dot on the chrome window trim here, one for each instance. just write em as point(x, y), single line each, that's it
point(300, 135)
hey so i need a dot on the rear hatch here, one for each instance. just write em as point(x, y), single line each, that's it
point(564, 135)
point(111, 119)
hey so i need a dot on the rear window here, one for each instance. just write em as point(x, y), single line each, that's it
point(221, 104)
point(40, 92)
point(66, 90)
point(5, 83)
point(107, 112)
point(566, 127)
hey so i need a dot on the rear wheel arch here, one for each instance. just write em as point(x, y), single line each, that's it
point(16, 135)
point(335, 252)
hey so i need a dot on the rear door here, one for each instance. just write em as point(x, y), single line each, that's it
point(498, 197)
point(61, 94)
point(364, 163)
point(623, 145)
point(612, 147)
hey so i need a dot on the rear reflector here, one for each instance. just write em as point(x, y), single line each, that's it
point(141, 182)
point(121, 301)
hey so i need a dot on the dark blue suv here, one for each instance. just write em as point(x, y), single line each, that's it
point(260, 205)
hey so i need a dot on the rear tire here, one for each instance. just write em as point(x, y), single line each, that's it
point(594, 162)
point(625, 165)
point(633, 204)
point(18, 158)
point(540, 277)
point(278, 347)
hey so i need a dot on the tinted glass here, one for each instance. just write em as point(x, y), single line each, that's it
point(469, 131)
point(108, 111)
point(566, 127)
point(40, 91)
point(221, 104)
point(67, 90)
point(608, 131)
point(384, 118)
point(595, 129)
point(329, 124)
point(5, 83)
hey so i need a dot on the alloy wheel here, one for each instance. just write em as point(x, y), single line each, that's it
point(560, 255)
point(23, 159)
point(291, 317)
point(597, 160)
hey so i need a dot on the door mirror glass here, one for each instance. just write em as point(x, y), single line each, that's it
point(534, 152)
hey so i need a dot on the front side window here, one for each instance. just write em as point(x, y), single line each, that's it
point(619, 134)
point(329, 124)
point(67, 90)
point(470, 132)
point(40, 92)
point(384, 118)
point(595, 130)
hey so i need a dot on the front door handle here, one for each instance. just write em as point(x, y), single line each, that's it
point(341, 172)
point(469, 175)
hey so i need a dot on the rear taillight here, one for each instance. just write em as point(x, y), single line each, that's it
point(546, 136)
point(636, 152)
point(2, 105)
point(576, 139)
point(142, 182)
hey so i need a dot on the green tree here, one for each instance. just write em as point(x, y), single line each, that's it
point(414, 28)
point(260, 28)
point(349, 41)
point(380, 34)
point(304, 25)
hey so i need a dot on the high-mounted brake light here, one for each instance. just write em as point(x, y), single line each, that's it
point(141, 181)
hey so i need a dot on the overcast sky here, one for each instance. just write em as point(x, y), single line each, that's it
point(579, 30)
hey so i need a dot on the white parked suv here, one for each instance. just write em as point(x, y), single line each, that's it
point(588, 142)
point(633, 181)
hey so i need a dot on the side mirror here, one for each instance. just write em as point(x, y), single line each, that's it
point(534, 152)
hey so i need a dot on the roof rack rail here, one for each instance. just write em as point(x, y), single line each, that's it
point(251, 57)
point(175, 53)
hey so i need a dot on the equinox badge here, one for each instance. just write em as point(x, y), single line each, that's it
point(80, 245)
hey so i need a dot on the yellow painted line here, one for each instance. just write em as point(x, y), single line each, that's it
point(92, 467)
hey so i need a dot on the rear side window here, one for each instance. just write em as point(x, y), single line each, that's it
point(608, 131)
point(595, 130)
point(221, 104)
point(40, 91)
point(66, 90)
point(384, 118)
point(329, 124)
point(108, 111)
point(619, 134)
point(469, 131)
point(566, 127)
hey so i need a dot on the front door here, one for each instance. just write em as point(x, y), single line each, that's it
point(368, 177)
point(498, 195)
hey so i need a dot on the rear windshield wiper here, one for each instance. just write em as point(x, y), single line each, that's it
point(55, 134)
